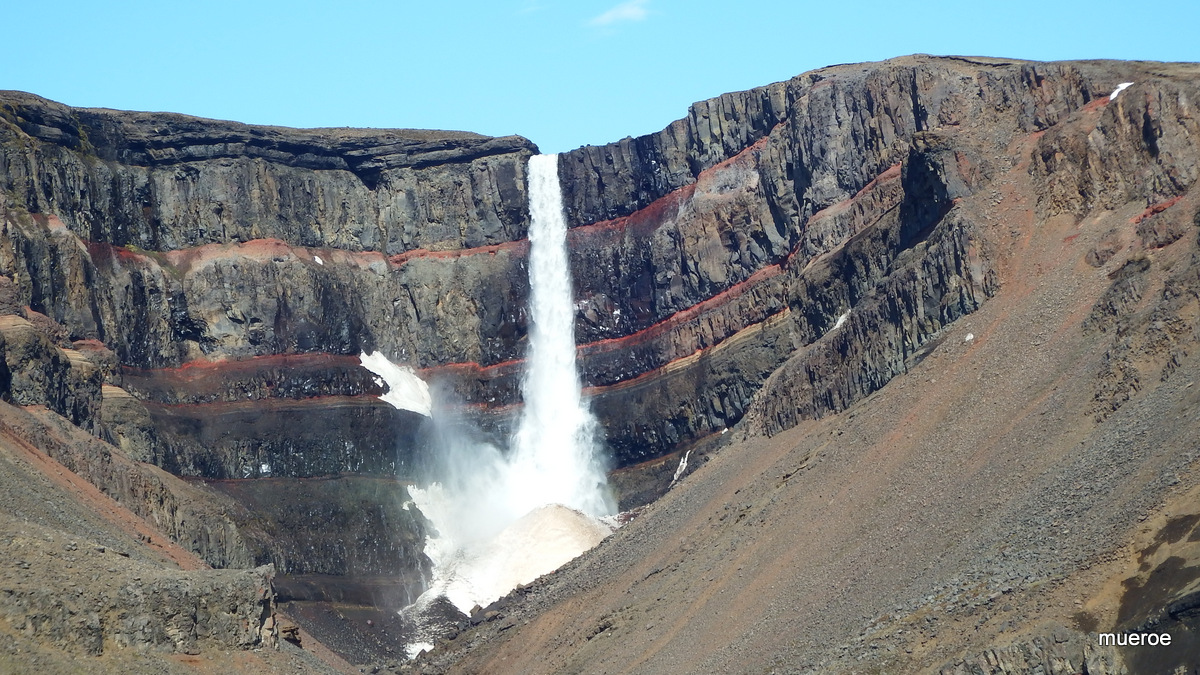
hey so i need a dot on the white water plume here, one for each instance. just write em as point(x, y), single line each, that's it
point(504, 519)
point(555, 455)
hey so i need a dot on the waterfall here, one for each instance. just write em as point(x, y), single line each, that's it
point(503, 519)
point(555, 451)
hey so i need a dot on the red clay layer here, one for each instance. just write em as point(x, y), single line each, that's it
point(513, 366)
point(640, 221)
point(100, 250)
point(203, 368)
point(103, 505)
point(267, 248)
point(651, 332)
point(663, 208)
point(733, 292)
point(889, 174)
point(1156, 209)
point(255, 405)
point(520, 246)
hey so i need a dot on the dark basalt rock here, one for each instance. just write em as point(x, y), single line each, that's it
point(165, 181)
point(312, 437)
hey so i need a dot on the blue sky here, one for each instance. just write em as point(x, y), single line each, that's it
point(563, 74)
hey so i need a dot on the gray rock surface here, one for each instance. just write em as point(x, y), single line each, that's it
point(163, 181)
point(139, 607)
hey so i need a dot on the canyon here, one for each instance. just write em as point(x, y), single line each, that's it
point(925, 328)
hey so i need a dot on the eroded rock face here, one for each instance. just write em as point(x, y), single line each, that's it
point(195, 293)
point(38, 371)
point(140, 607)
point(165, 182)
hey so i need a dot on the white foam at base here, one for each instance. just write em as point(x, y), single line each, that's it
point(504, 519)
point(405, 391)
point(413, 650)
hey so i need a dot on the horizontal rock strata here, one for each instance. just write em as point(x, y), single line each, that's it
point(216, 243)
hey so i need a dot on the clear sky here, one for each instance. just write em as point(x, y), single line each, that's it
point(562, 73)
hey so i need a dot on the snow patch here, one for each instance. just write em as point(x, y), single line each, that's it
point(1120, 88)
point(969, 337)
point(318, 259)
point(682, 467)
point(405, 391)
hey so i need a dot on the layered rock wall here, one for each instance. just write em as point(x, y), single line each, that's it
point(705, 255)
point(165, 182)
point(779, 211)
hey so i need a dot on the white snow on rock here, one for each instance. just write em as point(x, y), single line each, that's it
point(683, 466)
point(969, 337)
point(1120, 88)
point(318, 259)
point(405, 391)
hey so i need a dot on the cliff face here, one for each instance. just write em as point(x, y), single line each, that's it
point(765, 218)
point(1007, 316)
point(166, 182)
point(233, 271)
point(176, 242)
point(201, 252)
